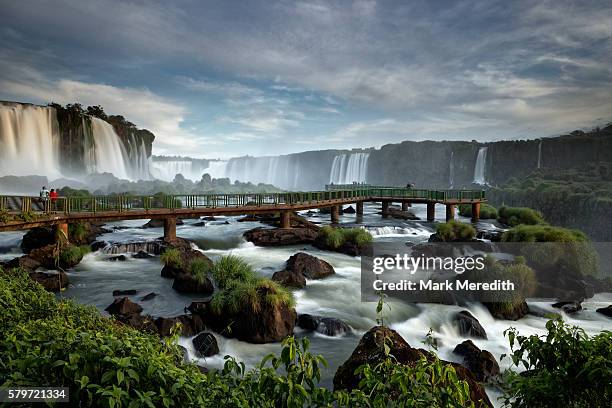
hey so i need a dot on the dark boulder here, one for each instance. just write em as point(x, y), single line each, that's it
point(568, 307)
point(37, 238)
point(290, 279)
point(123, 306)
point(606, 311)
point(188, 255)
point(309, 266)
point(23, 262)
point(205, 345)
point(142, 255)
point(98, 245)
point(371, 350)
point(127, 292)
point(349, 210)
point(329, 326)
point(199, 224)
point(148, 296)
point(53, 282)
point(507, 311)
point(117, 258)
point(157, 223)
point(280, 236)
point(139, 322)
point(187, 283)
point(469, 325)
point(190, 325)
point(480, 362)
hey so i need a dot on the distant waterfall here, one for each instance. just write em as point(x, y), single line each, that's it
point(540, 154)
point(280, 171)
point(168, 169)
point(29, 141)
point(479, 168)
point(451, 170)
point(349, 168)
point(216, 169)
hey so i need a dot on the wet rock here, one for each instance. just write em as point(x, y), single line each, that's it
point(402, 215)
point(507, 311)
point(151, 247)
point(97, 245)
point(203, 369)
point(329, 326)
point(606, 311)
point(139, 322)
point(118, 258)
point(199, 224)
point(24, 262)
point(37, 238)
point(142, 255)
point(290, 279)
point(371, 350)
point(185, 353)
point(205, 345)
point(123, 306)
point(210, 218)
point(157, 223)
point(53, 282)
point(190, 325)
point(568, 307)
point(280, 236)
point(186, 283)
point(127, 292)
point(188, 255)
point(480, 362)
point(309, 266)
point(148, 296)
point(469, 325)
point(349, 210)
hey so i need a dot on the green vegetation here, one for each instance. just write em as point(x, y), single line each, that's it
point(565, 368)
point(487, 212)
point(172, 257)
point(77, 230)
point(523, 277)
point(199, 269)
point(455, 231)
point(72, 192)
point(543, 233)
point(514, 216)
point(336, 237)
point(240, 287)
point(72, 255)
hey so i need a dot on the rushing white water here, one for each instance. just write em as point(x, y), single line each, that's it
point(540, 154)
point(216, 169)
point(29, 141)
point(30, 145)
point(451, 170)
point(349, 168)
point(479, 168)
point(280, 171)
point(168, 169)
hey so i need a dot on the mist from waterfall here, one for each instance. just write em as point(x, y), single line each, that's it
point(29, 141)
point(217, 169)
point(479, 168)
point(168, 169)
point(540, 154)
point(280, 171)
point(451, 170)
point(109, 154)
point(349, 168)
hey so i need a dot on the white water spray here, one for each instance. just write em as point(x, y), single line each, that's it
point(479, 168)
point(349, 168)
point(451, 170)
point(540, 154)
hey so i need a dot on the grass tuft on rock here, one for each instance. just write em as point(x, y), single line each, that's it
point(455, 231)
point(487, 211)
point(172, 257)
point(513, 216)
point(336, 237)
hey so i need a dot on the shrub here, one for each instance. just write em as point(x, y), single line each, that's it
point(172, 257)
point(358, 236)
point(72, 255)
point(332, 237)
point(514, 216)
point(77, 231)
point(564, 368)
point(543, 233)
point(455, 231)
point(487, 212)
point(232, 269)
point(199, 269)
point(335, 237)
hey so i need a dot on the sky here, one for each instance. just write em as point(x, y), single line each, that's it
point(231, 78)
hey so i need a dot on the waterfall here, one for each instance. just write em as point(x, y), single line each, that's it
point(479, 168)
point(29, 141)
point(349, 168)
point(451, 170)
point(167, 169)
point(216, 169)
point(109, 153)
point(540, 154)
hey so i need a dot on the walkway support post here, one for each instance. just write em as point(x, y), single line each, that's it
point(431, 211)
point(335, 214)
point(285, 219)
point(170, 229)
point(359, 205)
point(62, 229)
point(450, 212)
point(405, 206)
point(475, 212)
point(385, 209)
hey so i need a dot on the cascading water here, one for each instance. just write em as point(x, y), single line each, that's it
point(29, 141)
point(540, 154)
point(280, 171)
point(349, 168)
point(451, 170)
point(217, 169)
point(479, 168)
point(109, 153)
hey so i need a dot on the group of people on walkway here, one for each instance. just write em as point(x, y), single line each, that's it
point(46, 195)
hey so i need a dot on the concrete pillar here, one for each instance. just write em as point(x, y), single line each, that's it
point(431, 211)
point(62, 229)
point(405, 206)
point(475, 212)
point(285, 219)
point(385, 209)
point(359, 205)
point(335, 214)
point(170, 229)
point(450, 212)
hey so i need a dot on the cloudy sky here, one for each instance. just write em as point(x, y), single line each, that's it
point(228, 78)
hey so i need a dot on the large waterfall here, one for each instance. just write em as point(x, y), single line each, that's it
point(479, 168)
point(349, 168)
point(167, 169)
point(280, 171)
point(540, 154)
point(31, 144)
point(29, 141)
point(451, 170)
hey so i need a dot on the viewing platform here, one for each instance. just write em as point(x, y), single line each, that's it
point(25, 212)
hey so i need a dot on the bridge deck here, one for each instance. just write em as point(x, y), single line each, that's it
point(27, 212)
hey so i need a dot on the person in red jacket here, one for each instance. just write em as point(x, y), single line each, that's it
point(53, 196)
